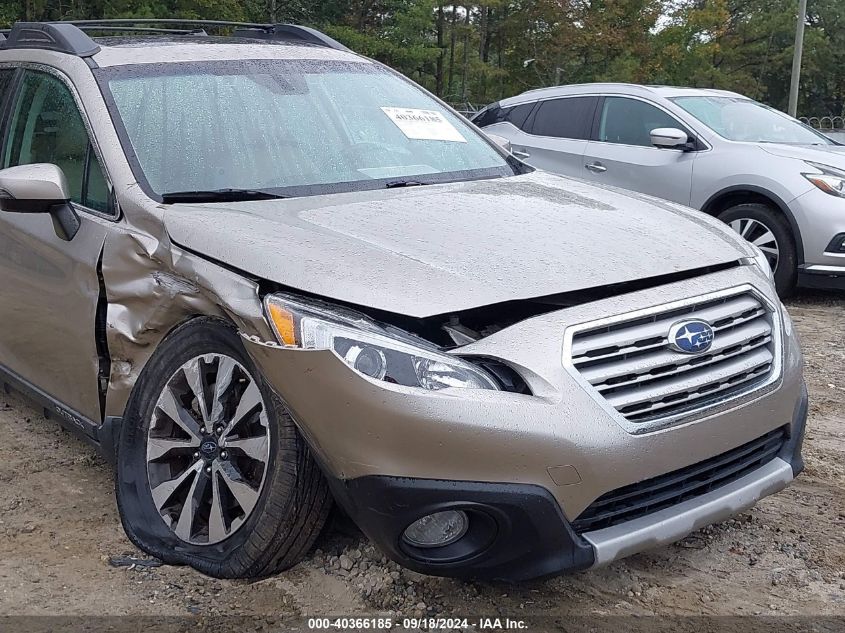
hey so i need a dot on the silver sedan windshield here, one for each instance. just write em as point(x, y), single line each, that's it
point(738, 119)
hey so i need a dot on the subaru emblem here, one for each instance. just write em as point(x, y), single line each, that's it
point(692, 336)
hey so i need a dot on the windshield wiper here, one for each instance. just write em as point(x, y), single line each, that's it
point(219, 195)
point(395, 184)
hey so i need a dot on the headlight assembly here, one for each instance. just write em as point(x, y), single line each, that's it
point(377, 352)
point(831, 180)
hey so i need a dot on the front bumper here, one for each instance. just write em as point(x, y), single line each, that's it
point(821, 219)
point(674, 523)
point(517, 532)
point(561, 443)
point(822, 276)
point(529, 537)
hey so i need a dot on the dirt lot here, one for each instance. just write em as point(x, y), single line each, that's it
point(60, 529)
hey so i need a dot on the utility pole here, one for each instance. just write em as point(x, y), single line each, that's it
point(796, 59)
point(272, 11)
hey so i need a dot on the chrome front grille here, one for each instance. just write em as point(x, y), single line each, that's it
point(632, 366)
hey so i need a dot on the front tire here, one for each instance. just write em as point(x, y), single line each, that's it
point(212, 471)
point(768, 230)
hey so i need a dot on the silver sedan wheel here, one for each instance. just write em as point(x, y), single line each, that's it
point(208, 447)
point(758, 234)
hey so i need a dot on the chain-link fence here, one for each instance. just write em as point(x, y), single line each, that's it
point(467, 109)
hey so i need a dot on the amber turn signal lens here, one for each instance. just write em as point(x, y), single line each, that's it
point(283, 322)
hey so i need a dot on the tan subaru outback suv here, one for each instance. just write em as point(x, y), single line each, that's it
point(266, 274)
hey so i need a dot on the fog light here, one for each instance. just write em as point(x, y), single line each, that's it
point(438, 529)
point(837, 244)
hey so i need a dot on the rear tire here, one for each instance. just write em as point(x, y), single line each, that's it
point(770, 231)
point(256, 532)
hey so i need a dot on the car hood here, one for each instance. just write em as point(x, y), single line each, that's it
point(435, 249)
point(832, 155)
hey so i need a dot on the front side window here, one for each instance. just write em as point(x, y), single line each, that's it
point(46, 127)
point(292, 128)
point(630, 121)
point(571, 118)
point(740, 119)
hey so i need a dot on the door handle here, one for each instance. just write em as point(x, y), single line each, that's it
point(521, 154)
point(596, 168)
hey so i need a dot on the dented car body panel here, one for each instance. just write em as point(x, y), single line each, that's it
point(496, 241)
point(508, 271)
point(151, 286)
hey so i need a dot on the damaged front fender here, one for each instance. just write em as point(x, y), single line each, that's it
point(152, 287)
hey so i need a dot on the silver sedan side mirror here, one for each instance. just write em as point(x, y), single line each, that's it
point(668, 137)
point(39, 188)
point(501, 141)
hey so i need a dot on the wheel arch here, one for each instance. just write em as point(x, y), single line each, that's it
point(152, 292)
point(109, 431)
point(289, 500)
point(745, 194)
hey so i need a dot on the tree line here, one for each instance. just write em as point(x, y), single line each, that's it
point(479, 52)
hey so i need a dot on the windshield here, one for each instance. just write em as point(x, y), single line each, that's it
point(289, 128)
point(739, 119)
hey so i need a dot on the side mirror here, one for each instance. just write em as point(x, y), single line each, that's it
point(669, 137)
point(501, 141)
point(39, 188)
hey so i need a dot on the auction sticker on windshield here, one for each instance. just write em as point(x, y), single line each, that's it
point(424, 125)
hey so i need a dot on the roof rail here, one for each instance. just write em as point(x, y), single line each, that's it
point(165, 22)
point(291, 32)
point(51, 36)
point(258, 30)
point(69, 36)
point(141, 29)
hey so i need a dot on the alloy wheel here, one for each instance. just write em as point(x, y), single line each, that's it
point(208, 447)
point(759, 234)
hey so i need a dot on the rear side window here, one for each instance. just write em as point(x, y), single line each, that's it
point(571, 117)
point(488, 116)
point(6, 75)
point(517, 115)
point(630, 121)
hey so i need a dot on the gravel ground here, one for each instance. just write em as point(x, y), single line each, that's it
point(61, 540)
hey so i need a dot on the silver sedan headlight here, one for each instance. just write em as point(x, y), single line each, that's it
point(377, 352)
point(830, 180)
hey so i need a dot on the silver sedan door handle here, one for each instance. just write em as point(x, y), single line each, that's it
point(596, 168)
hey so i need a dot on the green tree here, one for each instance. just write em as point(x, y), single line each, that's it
point(482, 51)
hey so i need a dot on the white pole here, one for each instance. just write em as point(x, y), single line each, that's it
point(796, 58)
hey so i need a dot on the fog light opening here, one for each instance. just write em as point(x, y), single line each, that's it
point(437, 530)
